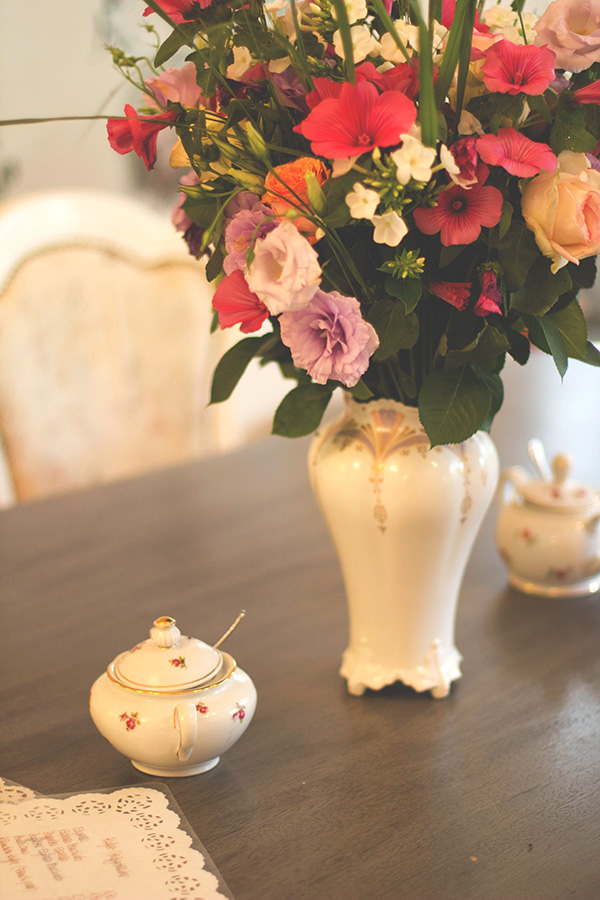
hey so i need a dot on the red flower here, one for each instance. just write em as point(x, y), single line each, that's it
point(138, 133)
point(490, 299)
point(464, 152)
point(456, 293)
point(449, 11)
point(460, 213)
point(516, 153)
point(324, 89)
point(518, 68)
point(237, 305)
point(588, 94)
point(357, 121)
point(176, 8)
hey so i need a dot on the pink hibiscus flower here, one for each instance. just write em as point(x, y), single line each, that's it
point(138, 133)
point(237, 305)
point(490, 299)
point(357, 121)
point(176, 9)
point(461, 213)
point(449, 11)
point(588, 94)
point(516, 153)
point(456, 293)
point(518, 68)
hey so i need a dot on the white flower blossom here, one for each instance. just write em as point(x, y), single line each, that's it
point(448, 161)
point(355, 10)
point(498, 17)
point(362, 201)
point(279, 65)
point(363, 43)
point(469, 124)
point(242, 61)
point(389, 49)
point(413, 160)
point(390, 228)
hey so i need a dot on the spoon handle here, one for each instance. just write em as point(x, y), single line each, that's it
point(538, 457)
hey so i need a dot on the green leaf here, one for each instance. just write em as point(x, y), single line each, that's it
point(181, 37)
point(517, 252)
point(451, 55)
point(464, 56)
point(300, 412)
point(569, 131)
point(315, 194)
point(592, 354)
point(571, 325)
point(427, 100)
point(361, 391)
point(489, 344)
point(519, 347)
point(214, 266)
point(344, 29)
point(496, 387)
point(453, 405)
point(383, 14)
point(505, 219)
point(542, 289)
point(555, 345)
point(232, 366)
point(539, 104)
point(396, 330)
point(583, 275)
point(406, 289)
point(449, 254)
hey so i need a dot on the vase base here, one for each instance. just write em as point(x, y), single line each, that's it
point(436, 673)
point(176, 771)
point(580, 589)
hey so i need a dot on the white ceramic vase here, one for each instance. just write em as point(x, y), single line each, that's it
point(403, 518)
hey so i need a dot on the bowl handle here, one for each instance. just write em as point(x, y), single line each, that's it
point(185, 721)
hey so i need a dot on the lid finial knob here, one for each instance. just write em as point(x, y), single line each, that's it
point(164, 632)
point(561, 466)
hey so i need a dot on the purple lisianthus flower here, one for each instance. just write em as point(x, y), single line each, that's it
point(329, 338)
point(246, 226)
point(290, 90)
point(242, 200)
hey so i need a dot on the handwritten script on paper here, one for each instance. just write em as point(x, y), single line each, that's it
point(126, 844)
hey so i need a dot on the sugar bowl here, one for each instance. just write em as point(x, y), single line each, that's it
point(548, 529)
point(173, 704)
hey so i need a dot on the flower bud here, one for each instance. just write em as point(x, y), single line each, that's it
point(256, 143)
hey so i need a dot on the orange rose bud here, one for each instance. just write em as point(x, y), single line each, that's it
point(291, 192)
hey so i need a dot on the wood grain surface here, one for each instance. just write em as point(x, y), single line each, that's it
point(491, 794)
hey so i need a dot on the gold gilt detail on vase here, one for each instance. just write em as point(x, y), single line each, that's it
point(384, 433)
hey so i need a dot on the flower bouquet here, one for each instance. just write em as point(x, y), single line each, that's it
point(389, 200)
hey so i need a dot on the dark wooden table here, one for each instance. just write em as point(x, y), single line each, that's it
point(492, 794)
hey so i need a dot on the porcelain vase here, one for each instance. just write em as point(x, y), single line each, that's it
point(403, 518)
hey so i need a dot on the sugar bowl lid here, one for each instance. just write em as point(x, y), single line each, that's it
point(555, 490)
point(168, 662)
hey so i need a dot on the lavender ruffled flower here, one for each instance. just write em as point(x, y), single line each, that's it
point(246, 225)
point(329, 338)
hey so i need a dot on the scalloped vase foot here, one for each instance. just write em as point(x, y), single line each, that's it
point(403, 519)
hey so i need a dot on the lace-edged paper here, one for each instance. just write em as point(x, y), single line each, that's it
point(11, 792)
point(126, 844)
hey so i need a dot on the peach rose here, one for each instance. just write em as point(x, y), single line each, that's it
point(283, 195)
point(562, 208)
